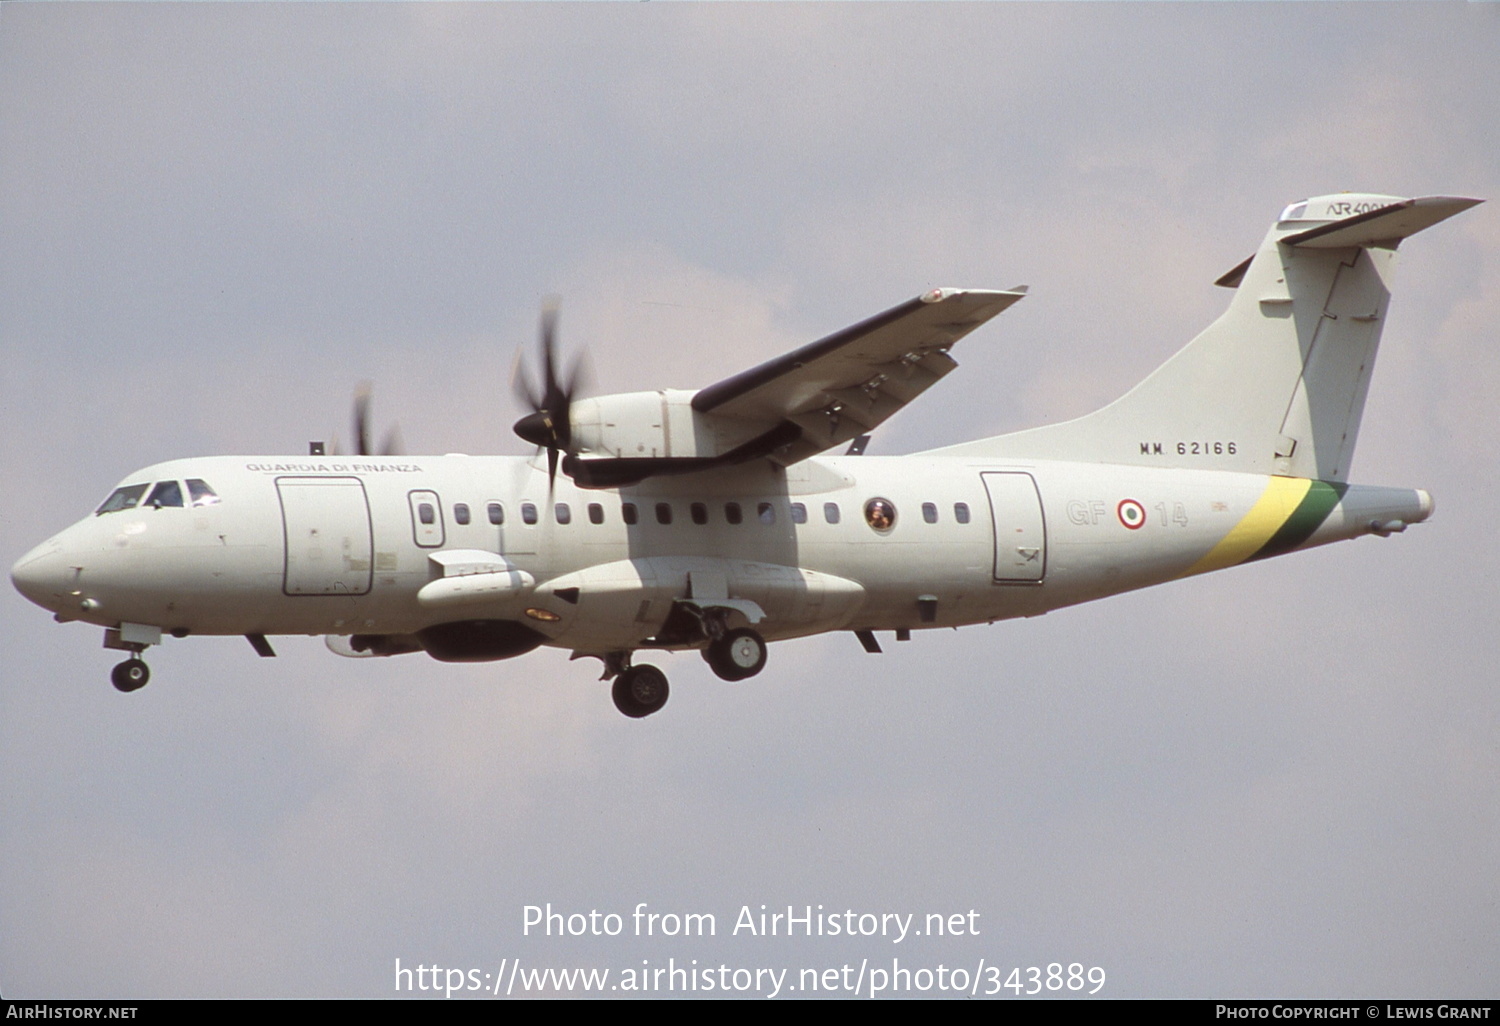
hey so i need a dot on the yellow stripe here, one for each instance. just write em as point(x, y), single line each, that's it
point(1280, 500)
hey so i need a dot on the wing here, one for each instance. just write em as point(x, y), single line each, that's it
point(842, 386)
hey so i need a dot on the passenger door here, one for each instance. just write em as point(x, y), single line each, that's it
point(1020, 530)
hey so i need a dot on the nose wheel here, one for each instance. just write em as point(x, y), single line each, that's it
point(640, 691)
point(131, 675)
point(736, 654)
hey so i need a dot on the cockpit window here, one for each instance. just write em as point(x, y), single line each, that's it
point(166, 493)
point(128, 497)
point(201, 493)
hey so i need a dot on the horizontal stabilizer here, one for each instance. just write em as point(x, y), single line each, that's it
point(1386, 224)
point(1349, 219)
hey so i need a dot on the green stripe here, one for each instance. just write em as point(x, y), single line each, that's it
point(1309, 515)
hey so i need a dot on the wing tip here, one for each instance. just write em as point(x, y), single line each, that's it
point(938, 295)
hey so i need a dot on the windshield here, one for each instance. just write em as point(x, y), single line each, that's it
point(168, 493)
point(128, 497)
point(202, 494)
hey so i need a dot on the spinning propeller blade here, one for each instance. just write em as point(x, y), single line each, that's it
point(390, 445)
point(549, 424)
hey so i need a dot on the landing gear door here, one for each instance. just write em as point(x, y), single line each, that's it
point(1020, 530)
point(326, 522)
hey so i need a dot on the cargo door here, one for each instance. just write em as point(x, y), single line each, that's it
point(326, 525)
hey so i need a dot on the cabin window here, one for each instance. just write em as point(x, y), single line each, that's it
point(880, 514)
point(929, 512)
point(563, 513)
point(799, 513)
point(596, 513)
point(961, 512)
point(497, 513)
point(732, 513)
point(831, 512)
point(629, 514)
point(461, 512)
point(167, 493)
point(663, 512)
point(201, 493)
point(699, 512)
point(528, 513)
point(766, 512)
point(128, 497)
point(426, 513)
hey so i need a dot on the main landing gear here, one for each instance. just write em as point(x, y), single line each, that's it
point(642, 690)
point(638, 690)
point(736, 654)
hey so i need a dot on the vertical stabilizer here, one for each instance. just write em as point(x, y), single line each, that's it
point(1277, 384)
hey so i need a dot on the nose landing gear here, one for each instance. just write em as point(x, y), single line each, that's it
point(131, 675)
point(135, 638)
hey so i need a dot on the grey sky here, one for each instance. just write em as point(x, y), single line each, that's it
point(1280, 780)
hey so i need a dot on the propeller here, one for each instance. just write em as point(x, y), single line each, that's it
point(549, 425)
point(390, 445)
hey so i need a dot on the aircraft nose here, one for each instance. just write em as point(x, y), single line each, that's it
point(41, 575)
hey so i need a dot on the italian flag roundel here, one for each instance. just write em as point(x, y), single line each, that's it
point(1131, 513)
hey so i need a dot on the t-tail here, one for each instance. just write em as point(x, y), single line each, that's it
point(1277, 384)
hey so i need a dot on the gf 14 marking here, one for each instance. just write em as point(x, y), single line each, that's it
point(1089, 512)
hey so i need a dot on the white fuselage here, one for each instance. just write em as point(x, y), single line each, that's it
point(707, 519)
point(347, 545)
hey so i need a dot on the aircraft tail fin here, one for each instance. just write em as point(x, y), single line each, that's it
point(1277, 384)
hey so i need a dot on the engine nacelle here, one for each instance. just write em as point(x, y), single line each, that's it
point(625, 438)
point(653, 425)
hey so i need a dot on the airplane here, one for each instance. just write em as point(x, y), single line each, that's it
point(710, 519)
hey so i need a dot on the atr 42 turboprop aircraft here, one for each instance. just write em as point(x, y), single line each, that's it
point(700, 520)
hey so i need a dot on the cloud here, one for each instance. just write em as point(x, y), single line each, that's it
point(220, 218)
